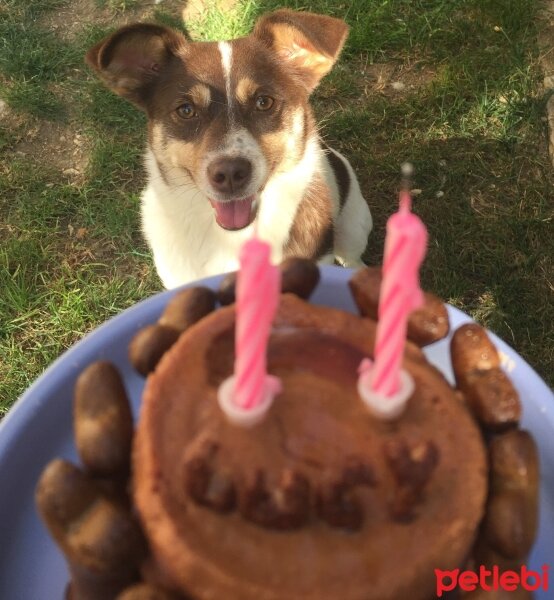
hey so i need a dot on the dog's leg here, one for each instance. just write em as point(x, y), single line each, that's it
point(353, 226)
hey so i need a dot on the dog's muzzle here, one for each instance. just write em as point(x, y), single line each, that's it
point(230, 177)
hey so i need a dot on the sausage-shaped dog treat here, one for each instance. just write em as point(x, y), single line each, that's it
point(227, 288)
point(365, 286)
point(149, 345)
point(426, 325)
point(187, 307)
point(492, 398)
point(299, 276)
point(511, 519)
point(429, 323)
point(488, 391)
point(472, 350)
point(156, 577)
point(102, 421)
point(485, 555)
point(183, 310)
point(101, 541)
point(505, 524)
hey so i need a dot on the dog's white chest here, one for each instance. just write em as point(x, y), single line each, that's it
point(186, 241)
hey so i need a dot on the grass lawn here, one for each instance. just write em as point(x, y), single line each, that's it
point(451, 85)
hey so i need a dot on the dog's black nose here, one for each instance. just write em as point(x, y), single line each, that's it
point(229, 175)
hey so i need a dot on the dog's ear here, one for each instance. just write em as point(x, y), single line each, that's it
point(130, 60)
point(309, 43)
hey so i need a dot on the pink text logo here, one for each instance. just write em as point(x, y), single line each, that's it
point(491, 579)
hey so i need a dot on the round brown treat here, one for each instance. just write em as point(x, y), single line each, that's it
point(102, 420)
point(149, 345)
point(187, 307)
point(320, 432)
point(226, 291)
point(299, 276)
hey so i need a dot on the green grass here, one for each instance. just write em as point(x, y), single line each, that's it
point(71, 254)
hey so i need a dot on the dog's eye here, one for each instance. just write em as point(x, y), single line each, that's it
point(264, 102)
point(186, 110)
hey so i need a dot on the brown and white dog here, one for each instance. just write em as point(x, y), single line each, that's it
point(233, 144)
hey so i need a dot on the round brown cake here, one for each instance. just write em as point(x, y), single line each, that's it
point(320, 500)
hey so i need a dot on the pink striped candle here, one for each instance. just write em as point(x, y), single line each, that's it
point(405, 247)
point(247, 395)
point(257, 300)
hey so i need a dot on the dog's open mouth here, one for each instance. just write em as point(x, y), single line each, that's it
point(235, 214)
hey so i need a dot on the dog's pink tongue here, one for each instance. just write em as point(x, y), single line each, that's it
point(234, 214)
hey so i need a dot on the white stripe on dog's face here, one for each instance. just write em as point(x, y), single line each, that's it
point(226, 51)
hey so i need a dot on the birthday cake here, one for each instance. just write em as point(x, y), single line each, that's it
point(321, 499)
point(319, 493)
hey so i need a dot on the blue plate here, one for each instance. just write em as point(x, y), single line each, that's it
point(39, 428)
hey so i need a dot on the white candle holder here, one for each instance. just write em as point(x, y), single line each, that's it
point(247, 417)
point(383, 407)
